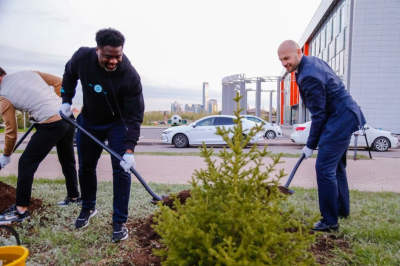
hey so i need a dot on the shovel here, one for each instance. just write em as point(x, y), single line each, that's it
point(113, 153)
point(293, 172)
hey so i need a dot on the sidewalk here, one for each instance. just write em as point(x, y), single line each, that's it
point(378, 174)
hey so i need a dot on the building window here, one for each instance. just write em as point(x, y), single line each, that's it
point(333, 65)
point(344, 16)
point(328, 33)
point(314, 49)
point(319, 46)
point(337, 64)
point(341, 61)
point(332, 51)
point(340, 43)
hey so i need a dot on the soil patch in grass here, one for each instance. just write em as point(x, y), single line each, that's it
point(146, 239)
point(324, 247)
point(8, 196)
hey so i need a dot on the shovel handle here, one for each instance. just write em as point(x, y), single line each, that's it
point(294, 170)
point(22, 138)
point(113, 153)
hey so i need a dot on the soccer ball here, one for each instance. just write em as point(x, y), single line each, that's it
point(176, 120)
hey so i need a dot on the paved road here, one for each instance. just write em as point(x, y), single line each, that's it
point(153, 135)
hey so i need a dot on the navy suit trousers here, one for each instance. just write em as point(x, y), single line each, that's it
point(333, 190)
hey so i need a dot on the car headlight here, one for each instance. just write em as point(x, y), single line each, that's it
point(167, 132)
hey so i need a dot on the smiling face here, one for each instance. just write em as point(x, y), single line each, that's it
point(109, 57)
point(290, 55)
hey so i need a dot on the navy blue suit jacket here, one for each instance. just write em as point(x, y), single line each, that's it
point(334, 113)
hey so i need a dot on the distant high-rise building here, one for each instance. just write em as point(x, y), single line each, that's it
point(175, 107)
point(212, 106)
point(198, 108)
point(205, 95)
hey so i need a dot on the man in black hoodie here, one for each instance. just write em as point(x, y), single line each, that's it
point(113, 109)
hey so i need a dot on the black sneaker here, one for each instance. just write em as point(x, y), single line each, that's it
point(120, 232)
point(84, 217)
point(68, 201)
point(10, 209)
point(322, 227)
point(14, 217)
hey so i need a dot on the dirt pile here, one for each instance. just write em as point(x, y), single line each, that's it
point(8, 196)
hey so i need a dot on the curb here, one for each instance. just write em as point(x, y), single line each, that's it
point(151, 143)
point(217, 145)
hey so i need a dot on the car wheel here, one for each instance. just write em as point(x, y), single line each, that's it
point(270, 134)
point(381, 144)
point(180, 141)
point(241, 142)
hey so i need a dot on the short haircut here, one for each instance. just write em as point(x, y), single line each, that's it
point(109, 37)
point(2, 72)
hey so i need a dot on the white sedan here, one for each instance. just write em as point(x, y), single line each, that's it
point(379, 140)
point(271, 130)
point(203, 130)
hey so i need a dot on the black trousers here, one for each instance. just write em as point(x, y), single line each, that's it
point(59, 134)
point(89, 153)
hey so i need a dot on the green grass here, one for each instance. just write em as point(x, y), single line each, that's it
point(20, 130)
point(373, 228)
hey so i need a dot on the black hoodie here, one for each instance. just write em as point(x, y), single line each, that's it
point(107, 96)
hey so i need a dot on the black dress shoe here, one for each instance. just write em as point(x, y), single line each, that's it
point(322, 227)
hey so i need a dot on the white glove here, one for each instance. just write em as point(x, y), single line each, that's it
point(307, 152)
point(4, 160)
point(65, 108)
point(128, 162)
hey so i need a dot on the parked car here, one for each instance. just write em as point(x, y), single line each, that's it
point(203, 130)
point(76, 130)
point(271, 130)
point(379, 140)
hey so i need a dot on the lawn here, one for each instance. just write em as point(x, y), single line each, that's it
point(373, 230)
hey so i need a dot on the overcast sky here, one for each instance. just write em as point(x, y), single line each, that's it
point(174, 45)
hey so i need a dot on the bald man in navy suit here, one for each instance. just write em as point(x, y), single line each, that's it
point(335, 116)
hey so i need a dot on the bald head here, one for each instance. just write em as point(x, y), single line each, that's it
point(288, 45)
point(290, 54)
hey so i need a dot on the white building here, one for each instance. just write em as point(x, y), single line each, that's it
point(212, 106)
point(360, 40)
point(176, 107)
point(205, 95)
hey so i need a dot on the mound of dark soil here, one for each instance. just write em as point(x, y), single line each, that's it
point(8, 196)
point(182, 196)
